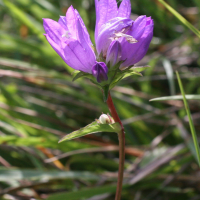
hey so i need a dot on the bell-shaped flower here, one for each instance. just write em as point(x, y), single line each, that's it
point(70, 39)
point(118, 37)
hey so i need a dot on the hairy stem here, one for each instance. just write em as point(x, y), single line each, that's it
point(121, 137)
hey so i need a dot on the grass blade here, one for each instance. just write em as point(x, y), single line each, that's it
point(181, 18)
point(177, 97)
point(194, 136)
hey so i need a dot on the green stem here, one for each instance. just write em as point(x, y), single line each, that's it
point(121, 137)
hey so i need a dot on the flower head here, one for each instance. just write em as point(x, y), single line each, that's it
point(118, 37)
point(120, 41)
point(70, 39)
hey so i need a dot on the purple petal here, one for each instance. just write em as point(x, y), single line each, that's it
point(87, 49)
point(75, 24)
point(73, 55)
point(71, 18)
point(107, 32)
point(138, 50)
point(77, 57)
point(114, 53)
point(62, 21)
point(124, 9)
point(149, 21)
point(145, 42)
point(56, 47)
point(136, 31)
point(84, 29)
point(99, 71)
point(105, 10)
point(54, 30)
point(138, 27)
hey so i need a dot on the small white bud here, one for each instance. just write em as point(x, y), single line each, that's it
point(106, 119)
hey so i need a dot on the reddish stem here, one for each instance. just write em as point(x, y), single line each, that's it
point(121, 137)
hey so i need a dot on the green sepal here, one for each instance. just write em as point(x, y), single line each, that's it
point(94, 127)
point(79, 74)
point(140, 68)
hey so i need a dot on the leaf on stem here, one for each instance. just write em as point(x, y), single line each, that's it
point(94, 127)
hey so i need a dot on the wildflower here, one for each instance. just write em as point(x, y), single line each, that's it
point(70, 39)
point(118, 38)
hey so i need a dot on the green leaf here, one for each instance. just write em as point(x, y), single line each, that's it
point(194, 135)
point(177, 97)
point(92, 128)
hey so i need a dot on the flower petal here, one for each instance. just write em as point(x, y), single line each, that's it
point(138, 27)
point(63, 22)
point(71, 18)
point(136, 31)
point(77, 57)
point(124, 9)
point(87, 49)
point(84, 29)
point(138, 50)
point(108, 30)
point(105, 10)
point(55, 46)
point(114, 53)
point(54, 30)
point(73, 21)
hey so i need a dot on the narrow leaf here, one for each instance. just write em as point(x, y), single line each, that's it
point(177, 97)
point(194, 136)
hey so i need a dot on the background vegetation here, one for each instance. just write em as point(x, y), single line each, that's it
point(39, 104)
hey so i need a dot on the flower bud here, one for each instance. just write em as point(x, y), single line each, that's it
point(99, 71)
point(106, 119)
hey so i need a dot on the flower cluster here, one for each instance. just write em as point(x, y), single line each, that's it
point(119, 40)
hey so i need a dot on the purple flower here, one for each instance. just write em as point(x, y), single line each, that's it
point(117, 36)
point(70, 39)
point(99, 71)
